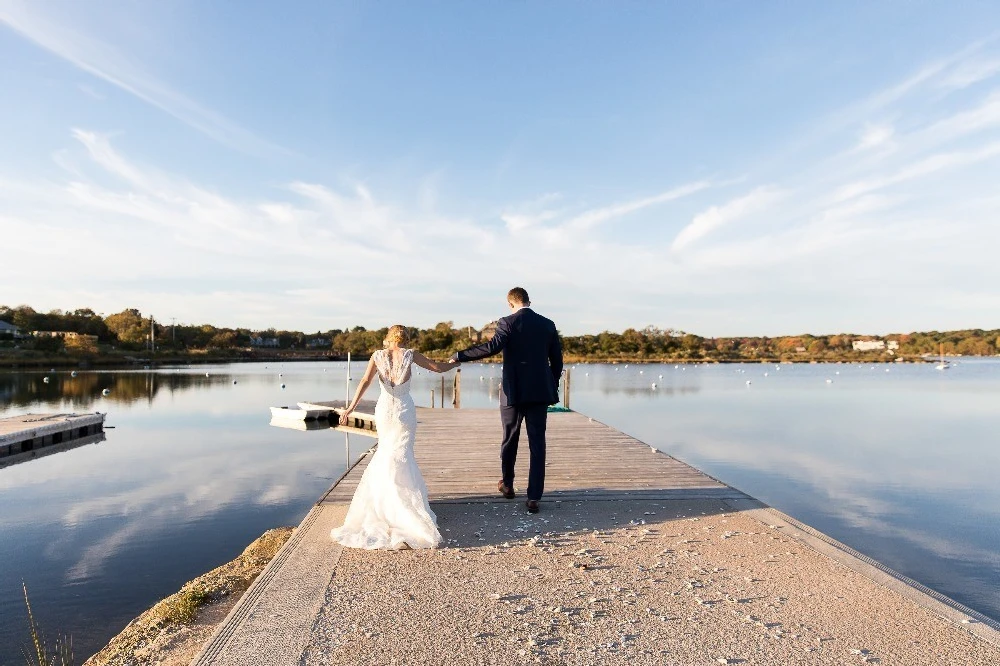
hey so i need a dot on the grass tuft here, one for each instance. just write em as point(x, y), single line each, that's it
point(39, 655)
point(182, 607)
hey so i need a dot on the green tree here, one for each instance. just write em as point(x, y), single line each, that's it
point(25, 318)
point(129, 327)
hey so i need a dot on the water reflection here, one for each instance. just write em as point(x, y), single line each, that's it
point(900, 465)
point(189, 476)
point(897, 464)
point(23, 389)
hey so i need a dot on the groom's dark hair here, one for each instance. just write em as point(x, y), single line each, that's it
point(518, 295)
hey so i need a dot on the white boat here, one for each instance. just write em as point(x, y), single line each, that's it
point(298, 414)
point(361, 422)
point(291, 424)
point(327, 408)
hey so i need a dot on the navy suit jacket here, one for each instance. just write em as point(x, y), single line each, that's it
point(532, 358)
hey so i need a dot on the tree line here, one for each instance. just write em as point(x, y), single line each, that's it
point(130, 330)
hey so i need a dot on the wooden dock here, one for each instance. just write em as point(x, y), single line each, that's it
point(458, 453)
point(635, 558)
point(31, 435)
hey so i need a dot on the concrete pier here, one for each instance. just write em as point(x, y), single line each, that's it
point(32, 435)
point(635, 558)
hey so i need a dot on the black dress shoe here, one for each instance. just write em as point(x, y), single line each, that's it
point(504, 490)
point(532, 506)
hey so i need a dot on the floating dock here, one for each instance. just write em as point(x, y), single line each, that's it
point(635, 558)
point(31, 435)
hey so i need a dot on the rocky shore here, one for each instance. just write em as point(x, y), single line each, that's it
point(173, 631)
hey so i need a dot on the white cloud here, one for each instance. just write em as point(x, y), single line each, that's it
point(101, 59)
point(875, 136)
point(519, 222)
point(594, 217)
point(715, 217)
point(902, 187)
point(971, 72)
point(927, 166)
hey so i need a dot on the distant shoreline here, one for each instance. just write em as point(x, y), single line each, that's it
point(112, 361)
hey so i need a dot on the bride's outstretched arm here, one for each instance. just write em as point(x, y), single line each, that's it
point(435, 366)
point(366, 381)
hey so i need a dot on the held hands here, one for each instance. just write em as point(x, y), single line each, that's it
point(344, 418)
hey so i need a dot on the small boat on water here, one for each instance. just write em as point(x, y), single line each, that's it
point(298, 414)
point(322, 415)
point(291, 424)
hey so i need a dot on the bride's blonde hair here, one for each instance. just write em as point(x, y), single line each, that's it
point(396, 335)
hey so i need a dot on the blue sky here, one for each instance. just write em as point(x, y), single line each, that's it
point(720, 168)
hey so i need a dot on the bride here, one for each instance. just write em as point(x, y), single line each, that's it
point(389, 508)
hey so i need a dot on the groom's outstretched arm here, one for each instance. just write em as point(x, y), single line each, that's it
point(488, 348)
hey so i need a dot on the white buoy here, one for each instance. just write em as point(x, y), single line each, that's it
point(73, 374)
point(640, 372)
point(586, 374)
point(283, 386)
point(45, 380)
point(765, 374)
point(654, 385)
point(829, 381)
point(748, 382)
point(207, 375)
point(281, 375)
point(52, 370)
point(234, 381)
point(106, 392)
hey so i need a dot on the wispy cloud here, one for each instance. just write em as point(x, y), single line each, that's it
point(875, 136)
point(902, 183)
point(103, 60)
point(715, 217)
point(592, 218)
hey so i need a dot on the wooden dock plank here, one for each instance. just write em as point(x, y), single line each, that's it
point(459, 454)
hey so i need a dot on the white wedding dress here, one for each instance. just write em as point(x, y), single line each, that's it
point(389, 508)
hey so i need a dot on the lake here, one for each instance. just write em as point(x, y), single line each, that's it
point(898, 461)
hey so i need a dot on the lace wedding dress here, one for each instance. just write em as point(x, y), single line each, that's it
point(389, 508)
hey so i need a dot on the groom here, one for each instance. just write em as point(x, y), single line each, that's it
point(532, 365)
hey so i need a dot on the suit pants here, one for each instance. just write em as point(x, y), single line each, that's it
point(534, 416)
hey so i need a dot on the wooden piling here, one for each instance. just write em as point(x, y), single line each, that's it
point(566, 389)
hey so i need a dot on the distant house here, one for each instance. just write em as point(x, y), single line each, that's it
point(892, 345)
point(317, 342)
point(10, 330)
point(260, 341)
point(65, 335)
point(869, 345)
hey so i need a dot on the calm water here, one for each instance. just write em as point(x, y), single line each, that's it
point(901, 465)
